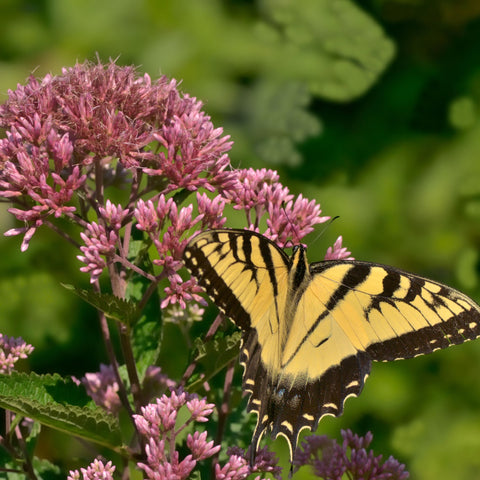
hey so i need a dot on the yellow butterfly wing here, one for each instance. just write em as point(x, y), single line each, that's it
point(311, 332)
point(246, 278)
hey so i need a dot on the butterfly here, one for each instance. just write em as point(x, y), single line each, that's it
point(311, 331)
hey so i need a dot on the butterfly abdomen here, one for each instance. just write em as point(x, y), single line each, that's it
point(298, 280)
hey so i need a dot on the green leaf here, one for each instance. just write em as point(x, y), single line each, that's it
point(213, 356)
point(333, 46)
point(181, 196)
point(113, 307)
point(146, 333)
point(146, 340)
point(45, 470)
point(278, 119)
point(60, 404)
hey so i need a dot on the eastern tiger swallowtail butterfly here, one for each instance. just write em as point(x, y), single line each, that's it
point(310, 332)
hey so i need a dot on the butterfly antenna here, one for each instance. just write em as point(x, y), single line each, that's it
point(293, 227)
point(325, 227)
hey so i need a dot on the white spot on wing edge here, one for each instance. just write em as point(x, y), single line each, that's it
point(287, 425)
point(353, 383)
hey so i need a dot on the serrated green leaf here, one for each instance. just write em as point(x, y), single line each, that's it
point(113, 307)
point(213, 356)
point(278, 118)
point(60, 404)
point(333, 46)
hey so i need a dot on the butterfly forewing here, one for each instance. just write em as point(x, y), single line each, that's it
point(395, 314)
point(240, 275)
point(247, 278)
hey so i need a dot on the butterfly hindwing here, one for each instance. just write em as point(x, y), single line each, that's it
point(310, 333)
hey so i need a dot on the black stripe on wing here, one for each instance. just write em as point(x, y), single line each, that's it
point(202, 269)
point(228, 251)
point(458, 328)
point(355, 276)
point(443, 316)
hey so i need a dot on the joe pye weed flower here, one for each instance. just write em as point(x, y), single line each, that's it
point(73, 145)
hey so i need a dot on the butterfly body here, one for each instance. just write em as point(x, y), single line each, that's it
point(310, 332)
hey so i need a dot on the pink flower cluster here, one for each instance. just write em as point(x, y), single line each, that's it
point(259, 193)
point(11, 350)
point(351, 458)
point(95, 127)
point(338, 251)
point(158, 424)
point(95, 471)
point(237, 467)
point(68, 137)
point(103, 387)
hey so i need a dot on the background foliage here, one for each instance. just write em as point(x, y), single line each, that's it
point(370, 107)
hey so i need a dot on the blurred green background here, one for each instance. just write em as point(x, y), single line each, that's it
point(371, 107)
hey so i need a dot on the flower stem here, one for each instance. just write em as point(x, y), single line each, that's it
point(27, 465)
point(124, 331)
point(225, 407)
point(211, 332)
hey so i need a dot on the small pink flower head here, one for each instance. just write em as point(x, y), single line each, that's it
point(73, 475)
point(235, 469)
point(166, 226)
point(37, 172)
point(27, 231)
point(11, 350)
point(252, 189)
point(200, 448)
point(293, 220)
point(159, 417)
point(159, 467)
point(95, 471)
point(267, 462)
point(157, 423)
point(259, 192)
point(211, 211)
point(100, 245)
point(150, 217)
point(103, 387)
point(338, 252)
point(113, 215)
point(200, 409)
point(192, 153)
